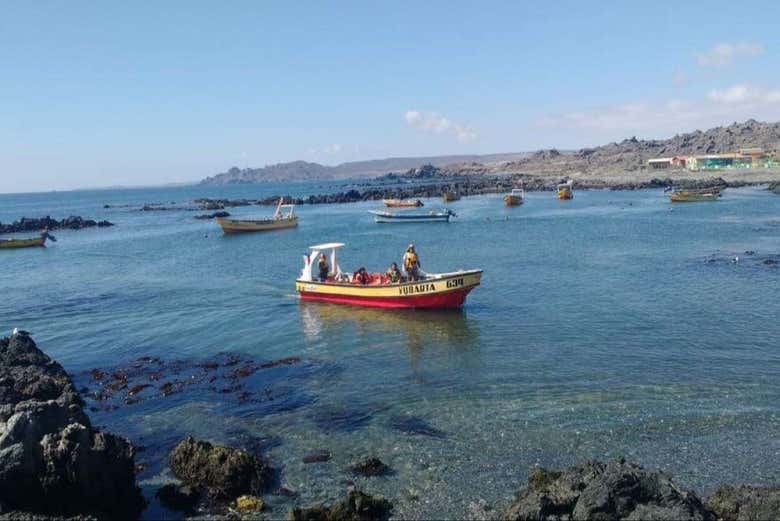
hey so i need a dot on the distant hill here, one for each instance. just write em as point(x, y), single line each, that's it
point(627, 156)
point(303, 170)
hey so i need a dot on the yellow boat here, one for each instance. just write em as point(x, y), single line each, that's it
point(432, 290)
point(32, 242)
point(450, 196)
point(514, 198)
point(279, 221)
point(402, 203)
point(565, 190)
point(695, 195)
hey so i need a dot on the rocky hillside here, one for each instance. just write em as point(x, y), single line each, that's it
point(630, 155)
point(303, 171)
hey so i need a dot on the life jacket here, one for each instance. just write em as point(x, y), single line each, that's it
point(410, 260)
point(393, 275)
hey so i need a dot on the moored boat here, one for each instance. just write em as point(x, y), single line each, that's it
point(565, 190)
point(692, 195)
point(412, 217)
point(449, 196)
point(31, 242)
point(280, 220)
point(433, 290)
point(402, 203)
point(514, 198)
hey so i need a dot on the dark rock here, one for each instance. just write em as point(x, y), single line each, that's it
point(52, 461)
point(213, 215)
point(370, 467)
point(357, 506)
point(744, 503)
point(415, 425)
point(770, 262)
point(26, 224)
point(615, 490)
point(224, 472)
point(178, 497)
point(317, 456)
point(774, 187)
point(341, 418)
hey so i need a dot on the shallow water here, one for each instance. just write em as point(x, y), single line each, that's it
point(611, 325)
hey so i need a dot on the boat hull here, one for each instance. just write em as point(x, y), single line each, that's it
point(7, 244)
point(401, 203)
point(512, 200)
point(231, 226)
point(693, 196)
point(393, 219)
point(447, 291)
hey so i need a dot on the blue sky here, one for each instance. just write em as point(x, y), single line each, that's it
point(139, 93)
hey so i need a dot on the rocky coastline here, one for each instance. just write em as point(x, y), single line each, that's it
point(54, 463)
point(28, 224)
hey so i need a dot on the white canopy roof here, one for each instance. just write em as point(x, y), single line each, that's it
point(327, 246)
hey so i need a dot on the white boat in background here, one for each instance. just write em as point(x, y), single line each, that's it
point(412, 217)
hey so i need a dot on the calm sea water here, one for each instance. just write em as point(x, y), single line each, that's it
point(611, 325)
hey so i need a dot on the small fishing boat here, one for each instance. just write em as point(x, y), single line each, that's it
point(431, 216)
point(514, 198)
point(402, 203)
point(433, 290)
point(450, 196)
point(32, 242)
point(695, 195)
point(284, 217)
point(565, 190)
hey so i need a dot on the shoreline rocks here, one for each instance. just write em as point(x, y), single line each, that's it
point(214, 215)
point(621, 490)
point(52, 460)
point(595, 490)
point(224, 472)
point(27, 224)
point(357, 506)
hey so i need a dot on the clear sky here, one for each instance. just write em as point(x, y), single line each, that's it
point(107, 93)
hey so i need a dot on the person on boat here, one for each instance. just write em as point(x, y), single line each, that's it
point(411, 263)
point(323, 267)
point(361, 276)
point(393, 274)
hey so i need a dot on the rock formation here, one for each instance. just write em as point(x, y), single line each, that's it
point(52, 461)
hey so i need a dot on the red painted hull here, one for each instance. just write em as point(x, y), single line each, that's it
point(449, 299)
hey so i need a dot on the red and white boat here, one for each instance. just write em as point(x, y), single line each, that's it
point(433, 290)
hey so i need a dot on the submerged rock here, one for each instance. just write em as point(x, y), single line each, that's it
point(370, 467)
point(178, 497)
point(357, 506)
point(249, 504)
point(595, 490)
point(745, 502)
point(52, 461)
point(332, 419)
point(223, 471)
point(317, 456)
point(415, 426)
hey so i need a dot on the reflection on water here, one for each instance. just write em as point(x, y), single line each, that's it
point(417, 328)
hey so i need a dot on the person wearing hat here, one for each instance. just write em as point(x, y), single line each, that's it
point(411, 263)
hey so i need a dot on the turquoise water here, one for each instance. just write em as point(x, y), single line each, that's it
point(611, 325)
